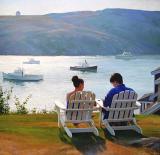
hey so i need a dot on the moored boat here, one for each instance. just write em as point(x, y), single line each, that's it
point(19, 75)
point(125, 55)
point(31, 61)
point(84, 67)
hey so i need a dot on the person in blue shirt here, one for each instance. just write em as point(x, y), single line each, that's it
point(117, 81)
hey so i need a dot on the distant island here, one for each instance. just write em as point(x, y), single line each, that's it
point(105, 32)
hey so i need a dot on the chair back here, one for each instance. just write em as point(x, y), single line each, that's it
point(123, 105)
point(80, 106)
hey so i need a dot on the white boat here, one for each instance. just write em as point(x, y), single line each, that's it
point(125, 55)
point(84, 67)
point(31, 61)
point(19, 75)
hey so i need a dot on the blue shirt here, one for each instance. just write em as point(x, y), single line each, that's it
point(108, 99)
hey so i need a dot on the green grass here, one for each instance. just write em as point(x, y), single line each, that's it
point(42, 129)
point(25, 124)
point(150, 125)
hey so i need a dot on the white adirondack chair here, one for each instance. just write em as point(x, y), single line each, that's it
point(121, 110)
point(79, 110)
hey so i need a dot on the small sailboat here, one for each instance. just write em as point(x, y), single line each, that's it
point(32, 61)
point(84, 67)
point(125, 55)
point(19, 75)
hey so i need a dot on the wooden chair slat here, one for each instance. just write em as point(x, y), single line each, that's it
point(123, 104)
point(133, 104)
point(118, 105)
point(70, 106)
point(85, 105)
point(76, 104)
point(111, 113)
point(129, 104)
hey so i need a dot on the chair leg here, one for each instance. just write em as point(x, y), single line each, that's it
point(59, 123)
point(58, 114)
point(69, 133)
point(136, 127)
point(95, 129)
point(100, 118)
point(108, 127)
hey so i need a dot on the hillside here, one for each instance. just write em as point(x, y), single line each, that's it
point(81, 33)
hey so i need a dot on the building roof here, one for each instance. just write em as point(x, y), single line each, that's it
point(156, 71)
point(146, 97)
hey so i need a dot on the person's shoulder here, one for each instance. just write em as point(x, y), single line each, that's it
point(130, 89)
point(69, 94)
point(112, 91)
point(72, 92)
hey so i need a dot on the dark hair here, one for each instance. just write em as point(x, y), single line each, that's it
point(76, 81)
point(116, 77)
point(81, 81)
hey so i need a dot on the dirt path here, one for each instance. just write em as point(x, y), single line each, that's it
point(19, 145)
point(11, 144)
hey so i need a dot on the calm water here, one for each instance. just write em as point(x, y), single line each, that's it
point(57, 76)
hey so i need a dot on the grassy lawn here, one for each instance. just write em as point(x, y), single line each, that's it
point(39, 134)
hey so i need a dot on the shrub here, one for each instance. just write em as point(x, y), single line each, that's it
point(44, 111)
point(4, 98)
point(21, 107)
point(33, 111)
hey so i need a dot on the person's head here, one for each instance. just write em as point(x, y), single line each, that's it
point(78, 83)
point(116, 79)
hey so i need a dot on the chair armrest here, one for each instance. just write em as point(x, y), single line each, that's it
point(60, 105)
point(99, 102)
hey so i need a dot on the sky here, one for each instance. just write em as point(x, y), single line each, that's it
point(39, 7)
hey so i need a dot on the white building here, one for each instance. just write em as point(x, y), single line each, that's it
point(156, 74)
point(18, 13)
point(150, 103)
